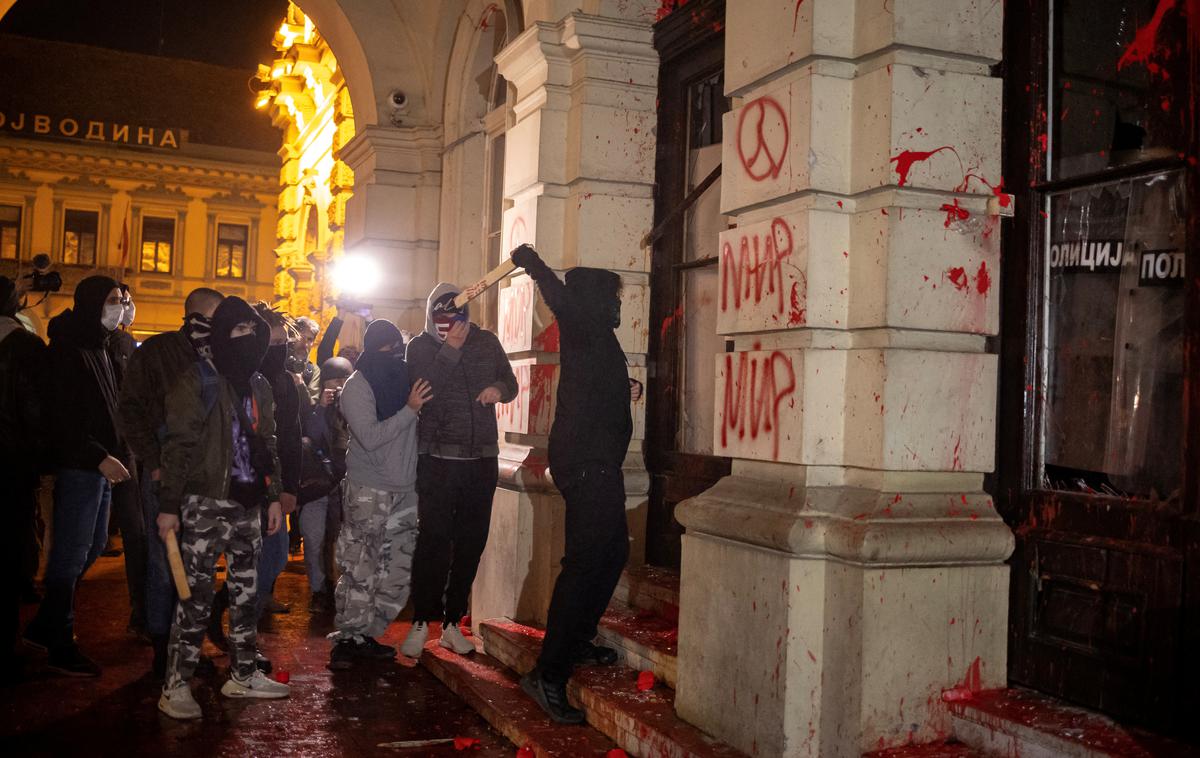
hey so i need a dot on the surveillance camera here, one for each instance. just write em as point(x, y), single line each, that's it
point(398, 100)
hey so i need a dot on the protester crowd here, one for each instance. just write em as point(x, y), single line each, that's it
point(213, 437)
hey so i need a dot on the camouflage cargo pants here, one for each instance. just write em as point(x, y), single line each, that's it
point(374, 554)
point(208, 528)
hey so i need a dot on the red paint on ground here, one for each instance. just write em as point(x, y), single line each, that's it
point(466, 743)
point(616, 753)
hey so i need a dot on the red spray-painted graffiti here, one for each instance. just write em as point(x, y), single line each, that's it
point(758, 270)
point(516, 316)
point(1145, 47)
point(518, 233)
point(753, 396)
point(763, 149)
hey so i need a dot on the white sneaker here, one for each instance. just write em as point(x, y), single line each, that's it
point(414, 643)
point(256, 685)
point(178, 702)
point(453, 639)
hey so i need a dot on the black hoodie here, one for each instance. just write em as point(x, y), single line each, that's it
point(84, 381)
point(592, 420)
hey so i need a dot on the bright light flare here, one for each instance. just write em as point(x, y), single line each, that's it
point(355, 275)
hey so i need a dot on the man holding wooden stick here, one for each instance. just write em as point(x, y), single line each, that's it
point(220, 467)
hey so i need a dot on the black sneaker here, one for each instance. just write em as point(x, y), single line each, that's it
point(552, 698)
point(262, 663)
point(343, 655)
point(36, 639)
point(67, 659)
point(374, 649)
point(588, 654)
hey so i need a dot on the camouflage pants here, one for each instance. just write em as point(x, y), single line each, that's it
point(208, 528)
point(374, 553)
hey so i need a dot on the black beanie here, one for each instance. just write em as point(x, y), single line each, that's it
point(336, 368)
point(380, 333)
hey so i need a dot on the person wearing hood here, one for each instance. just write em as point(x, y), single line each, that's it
point(151, 372)
point(23, 409)
point(457, 472)
point(219, 470)
point(126, 497)
point(91, 458)
point(379, 503)
point(326, 438)
point(588, 442)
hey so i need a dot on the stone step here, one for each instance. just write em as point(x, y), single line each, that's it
point(1017, 722)
point(642, 722)
point(649, 588)
point(495, 692)
point(644, 640)
point(945, 749)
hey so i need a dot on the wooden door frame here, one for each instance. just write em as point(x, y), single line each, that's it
point(1025, 71)
point(690, 44)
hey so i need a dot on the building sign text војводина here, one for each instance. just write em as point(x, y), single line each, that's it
point(92, 130)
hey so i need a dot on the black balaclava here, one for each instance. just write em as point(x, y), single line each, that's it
point(385, 371)
point(274, 363)
point(198, 329)
point(599, 291)
point(90, 295)
point(238, 358)
point(10, 303)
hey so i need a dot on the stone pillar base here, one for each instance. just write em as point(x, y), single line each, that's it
point(832, 622)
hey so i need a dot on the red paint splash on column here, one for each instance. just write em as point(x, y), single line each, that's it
point(905, 160)
point(983, 279)
point(955, 212)
point(958, 277)
point(1145, 41)
point(669, 321)
point(796, 315)
point(796, 15)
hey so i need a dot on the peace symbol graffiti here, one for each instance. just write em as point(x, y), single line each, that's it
point(762, 149)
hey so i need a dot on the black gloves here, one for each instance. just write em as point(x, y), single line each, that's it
point(525, 256)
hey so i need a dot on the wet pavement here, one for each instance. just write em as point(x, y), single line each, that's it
point(343, 713)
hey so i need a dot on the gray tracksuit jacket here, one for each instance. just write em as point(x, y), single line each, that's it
point(382, 454)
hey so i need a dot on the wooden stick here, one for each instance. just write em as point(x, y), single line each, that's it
point(658, 231)
point(177, 572)
point(489, 280)
point(406, 744)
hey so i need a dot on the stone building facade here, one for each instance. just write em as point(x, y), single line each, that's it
point(166, 185)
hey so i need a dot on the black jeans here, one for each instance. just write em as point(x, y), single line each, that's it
point(597, 547)
point(21, 503)
point(128, 516)
point(454, 514)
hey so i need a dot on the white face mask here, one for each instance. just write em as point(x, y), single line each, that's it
point(110, 318)
point(128, 310)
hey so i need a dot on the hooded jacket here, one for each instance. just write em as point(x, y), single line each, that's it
point(453, 424)
point(151, 372)
point(592, 419)
point(197, 451)
point(84, 382)
point(23, 381)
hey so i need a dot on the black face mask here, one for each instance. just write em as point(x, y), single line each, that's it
point(613, 312)
point(198, 330)
point(275, 361)
point(238, 360)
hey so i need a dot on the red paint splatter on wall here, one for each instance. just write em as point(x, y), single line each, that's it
point(905, 160)
point(669, 321)
point(983, 280)
point(958, 277)
point(955, 212)
point(763, 149)
point(757, 271)
point(796, 15)
point(797, 314)
point(667, 7)
point(754, 394)
point(1144, 47)
point(486, 17)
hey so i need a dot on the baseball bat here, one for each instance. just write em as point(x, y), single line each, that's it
point(489, 280)
point(177, 572)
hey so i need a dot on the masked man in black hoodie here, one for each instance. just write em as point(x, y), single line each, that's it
point(152, 371)
point(91, 457)
point(588, 441)
point(219, 470)
point(457, 468)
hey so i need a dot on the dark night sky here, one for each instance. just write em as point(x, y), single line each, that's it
point(234, 33)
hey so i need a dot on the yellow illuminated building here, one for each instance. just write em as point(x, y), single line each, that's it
point(306, 97)
point(151, 170)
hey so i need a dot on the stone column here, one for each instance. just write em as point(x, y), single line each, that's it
point(579, 172)
point(393, 214)
point(852, 567)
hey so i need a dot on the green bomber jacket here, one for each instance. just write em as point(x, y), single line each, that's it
point(197, 453)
